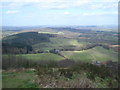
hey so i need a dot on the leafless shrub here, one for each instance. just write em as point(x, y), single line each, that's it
point(61, 82)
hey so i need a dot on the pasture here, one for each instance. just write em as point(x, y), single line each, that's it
point(94, 54)
point(20, 79)
point(59, 43)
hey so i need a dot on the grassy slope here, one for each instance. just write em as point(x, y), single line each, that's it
point(19, 80)
point(58, 42)
point(29, 38)
point(43, 56)
point(59, 33)
point(97, 53)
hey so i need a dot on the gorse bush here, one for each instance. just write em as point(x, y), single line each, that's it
point(94, 70)
point(100, 71)
point(98, 74)
point(66, 73)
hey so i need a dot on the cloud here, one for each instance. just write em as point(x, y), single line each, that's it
point(100, 13)
point(61, 4)
point(57, 0)
point(12, 12)
point(20, 0)
point(67, 13)
point(110, 0)
point(45, 4)
point(43, 0)
point(109, 5)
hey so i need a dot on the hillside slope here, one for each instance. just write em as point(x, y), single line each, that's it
point(22, 42)
point(95, 54)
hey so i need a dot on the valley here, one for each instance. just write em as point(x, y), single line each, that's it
point(56, 48)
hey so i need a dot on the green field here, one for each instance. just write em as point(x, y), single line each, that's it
point(24, 79)
point(94, 54)
point(59, 33)
point(59, 42)
point(42, 56)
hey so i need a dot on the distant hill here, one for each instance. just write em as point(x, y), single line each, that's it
point(23, 42)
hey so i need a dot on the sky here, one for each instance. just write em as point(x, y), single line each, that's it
point(58, 12)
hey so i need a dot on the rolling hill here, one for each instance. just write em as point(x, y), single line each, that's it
point(95, 54)
point(22, 42)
